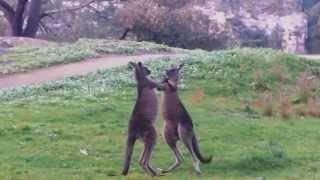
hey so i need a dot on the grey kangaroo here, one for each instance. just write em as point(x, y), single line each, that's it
point(178, 123)
point(141, 124)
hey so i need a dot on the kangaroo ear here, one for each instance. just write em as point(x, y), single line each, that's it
point(180, 66)
point(140, 64)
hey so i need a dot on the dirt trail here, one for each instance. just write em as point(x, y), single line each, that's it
point(77, 68)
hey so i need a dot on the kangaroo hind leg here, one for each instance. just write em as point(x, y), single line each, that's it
point(130, 143)
point(186, 137)
point(172, 142)
point(149, 143)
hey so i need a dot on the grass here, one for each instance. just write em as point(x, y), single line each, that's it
point(76, 128)
point(24, 58)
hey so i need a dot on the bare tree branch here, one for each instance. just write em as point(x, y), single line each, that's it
point(6, 6)
point(97, 12)
point(125, 33)
point(7, 9)
point(44, 28)
point(50, 13)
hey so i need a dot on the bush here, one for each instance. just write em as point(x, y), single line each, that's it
point(159, 21)
point(305, 86)
point(285, 106)
point(314, 106)
point(267, 104)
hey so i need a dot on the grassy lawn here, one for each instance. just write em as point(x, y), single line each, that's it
point(76, 128)
point(24, 58)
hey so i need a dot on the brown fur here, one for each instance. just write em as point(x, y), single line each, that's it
point(141, 124)
point(178, 123)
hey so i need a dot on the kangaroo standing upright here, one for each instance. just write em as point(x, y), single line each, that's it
point(178, 123)
point(141, 124)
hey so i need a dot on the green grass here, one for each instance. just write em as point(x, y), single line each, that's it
point(43, 128)
point(23, 58)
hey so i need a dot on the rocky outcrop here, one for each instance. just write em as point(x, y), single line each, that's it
point(273, 23)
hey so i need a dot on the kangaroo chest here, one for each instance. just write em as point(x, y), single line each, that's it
point(171, 106)
point(147, 104)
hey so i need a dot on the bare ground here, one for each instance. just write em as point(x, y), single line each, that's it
point(77, 68)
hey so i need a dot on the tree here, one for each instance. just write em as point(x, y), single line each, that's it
point(25, 16)
point(172, 22)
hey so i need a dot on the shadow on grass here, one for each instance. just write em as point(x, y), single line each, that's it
point(253, 161)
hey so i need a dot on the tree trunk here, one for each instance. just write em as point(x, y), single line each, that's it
point(34, 18)
point(23, 24)
point(17, 24)
point(16, 17)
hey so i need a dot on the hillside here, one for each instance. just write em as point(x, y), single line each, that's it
point(25, 54)
point(250, 108)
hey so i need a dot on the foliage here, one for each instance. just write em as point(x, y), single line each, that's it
point(177, 23)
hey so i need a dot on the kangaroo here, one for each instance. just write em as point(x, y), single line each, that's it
point(141, 124)
point(178, 123)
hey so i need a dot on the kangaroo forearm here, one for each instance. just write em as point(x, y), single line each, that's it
point(159, 85)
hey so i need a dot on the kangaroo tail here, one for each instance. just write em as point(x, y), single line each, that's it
point(197, 151)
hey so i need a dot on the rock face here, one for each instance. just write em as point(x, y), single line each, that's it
point(273, 23)
point(312, 9)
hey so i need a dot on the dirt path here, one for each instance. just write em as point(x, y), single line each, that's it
point(78, 68)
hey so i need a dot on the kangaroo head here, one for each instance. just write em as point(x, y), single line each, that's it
point(173, 75)
point(141, 71)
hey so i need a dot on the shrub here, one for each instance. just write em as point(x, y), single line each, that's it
point(305, 86)
point(301, 110)
point(314, 106)
point(197, 96)
point(175, 24)
point(259, 82)
point(267, 104)
point(285, 106)
point(278, 72)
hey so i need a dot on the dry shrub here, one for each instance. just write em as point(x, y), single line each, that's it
point(314, 106)
point(162, 21)
point(198, 96)
point(267, 104)
point(142, 13)
point(278, 72)
point(285, 106)
point(305, 86)
point(259, 83)
point(301, 110)
point(258, 103)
